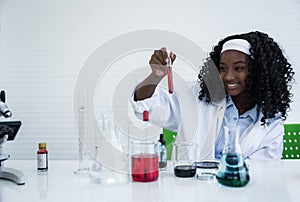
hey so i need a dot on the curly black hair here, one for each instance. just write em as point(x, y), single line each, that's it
point(269, 79)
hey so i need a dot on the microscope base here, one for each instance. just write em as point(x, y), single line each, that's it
point(12, 174)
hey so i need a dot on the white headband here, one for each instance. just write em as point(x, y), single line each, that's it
point(237, 44)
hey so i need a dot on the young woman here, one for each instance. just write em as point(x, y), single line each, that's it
point(257, 80)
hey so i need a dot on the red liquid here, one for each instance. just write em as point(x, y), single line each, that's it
point(42, 157)
point(144, 167)
point(170, 80)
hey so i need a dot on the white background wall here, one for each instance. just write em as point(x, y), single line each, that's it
point(44, 43)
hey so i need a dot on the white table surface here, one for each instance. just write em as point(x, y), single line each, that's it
point(270, 181)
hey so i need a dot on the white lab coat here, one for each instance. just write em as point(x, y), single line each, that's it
point(200, 122)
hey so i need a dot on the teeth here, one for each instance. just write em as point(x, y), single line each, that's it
point(232, 85)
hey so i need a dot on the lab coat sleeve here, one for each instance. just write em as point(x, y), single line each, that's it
point(271, 146)
point(163, 108)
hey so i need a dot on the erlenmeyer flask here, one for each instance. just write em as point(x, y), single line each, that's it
point(232, 170)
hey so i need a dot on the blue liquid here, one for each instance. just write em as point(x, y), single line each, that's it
point(233, 171)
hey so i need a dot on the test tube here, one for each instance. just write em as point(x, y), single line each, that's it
point(170, 76)
point(83, 166)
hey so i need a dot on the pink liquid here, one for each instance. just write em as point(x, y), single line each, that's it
point(144, 167)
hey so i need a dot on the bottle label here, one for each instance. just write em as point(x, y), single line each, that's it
point(42, 161)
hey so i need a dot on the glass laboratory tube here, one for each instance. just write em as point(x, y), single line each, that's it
point(83, 167)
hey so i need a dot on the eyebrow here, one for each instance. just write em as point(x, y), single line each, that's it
point(237, 62)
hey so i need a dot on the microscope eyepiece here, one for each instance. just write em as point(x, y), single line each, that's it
point(4, 111)
point(2, 96)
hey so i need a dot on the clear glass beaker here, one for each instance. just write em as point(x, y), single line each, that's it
point(232, 170)
point(185, 155)
point(109, 167)
point(144, 162)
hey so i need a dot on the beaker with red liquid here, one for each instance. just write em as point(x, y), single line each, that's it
point(144, 162)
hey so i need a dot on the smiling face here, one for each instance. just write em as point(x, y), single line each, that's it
point(234, 67)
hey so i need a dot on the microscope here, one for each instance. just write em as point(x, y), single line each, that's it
point(8, 132)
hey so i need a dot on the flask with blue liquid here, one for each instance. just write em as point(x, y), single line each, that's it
point(232, 170)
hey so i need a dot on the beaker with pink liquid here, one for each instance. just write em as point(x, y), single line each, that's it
point(144, 162)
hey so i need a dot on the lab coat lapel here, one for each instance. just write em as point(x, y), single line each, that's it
point(208, 148)
point(252, 137)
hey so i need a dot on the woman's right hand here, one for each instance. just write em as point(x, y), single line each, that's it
point(159, 61)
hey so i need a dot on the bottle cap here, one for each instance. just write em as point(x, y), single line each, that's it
point(42, 145)
point(145, 115)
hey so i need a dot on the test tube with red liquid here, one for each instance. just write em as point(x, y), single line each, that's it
point(170, 76)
